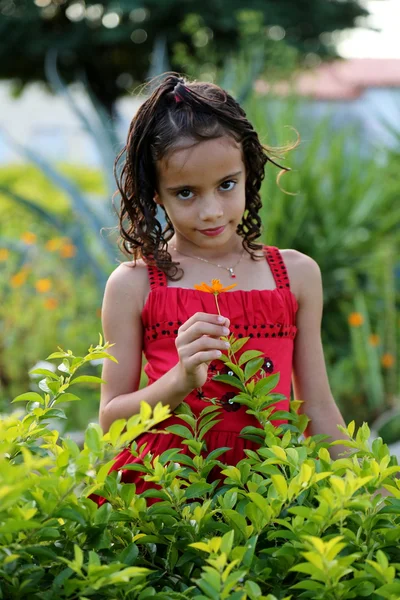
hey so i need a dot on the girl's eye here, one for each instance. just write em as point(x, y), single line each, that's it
point(183, 194)
point(231, 183)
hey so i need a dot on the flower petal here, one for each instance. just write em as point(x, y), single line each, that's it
point(204, 288)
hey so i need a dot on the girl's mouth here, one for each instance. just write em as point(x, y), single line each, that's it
point(215, 231)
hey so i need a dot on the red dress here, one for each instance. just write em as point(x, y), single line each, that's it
point(268, 317)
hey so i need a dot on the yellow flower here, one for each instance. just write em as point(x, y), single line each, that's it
point(18, 279)
point(356, 319)
point(4, 254)
point(53, 244)
point(68, 250)
point(374, 339)
point(387, 360)
point(28, 237)
point(43, 285)
point(215, 288)
point(50, 303)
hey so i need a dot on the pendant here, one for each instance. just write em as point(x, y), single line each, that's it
point(232, 274)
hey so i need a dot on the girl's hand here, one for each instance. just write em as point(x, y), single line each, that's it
point(198, 344)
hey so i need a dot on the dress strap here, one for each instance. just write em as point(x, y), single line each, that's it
point(277, 266)
point(157, 277)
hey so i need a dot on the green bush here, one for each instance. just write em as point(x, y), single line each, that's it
point(286, 522)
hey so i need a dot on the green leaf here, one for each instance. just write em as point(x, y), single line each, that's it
point(30, 397)
point(230, 381)
point(390, 590)
point(54, 413)
point(93, 438)
point(72, 514)
point(196, 490)
point(238, 344)
point(203, 430)
point(129, 555)
point(252, 367)
point(217, 452)
point(237, 370)
point(180, 430)
point(266, 384)
point(248, 355)
point(87, 379)
point(65, 398)
point(45, 372)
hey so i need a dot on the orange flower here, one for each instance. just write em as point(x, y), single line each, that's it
point(374, 339)
point(356, 319)
point(387, 360)
point(18, 279)
point(68, 250)
point(43, 285)
point(98, 313)
point(4, 254)
point(28, 237)
point(215, 288)
point(50, 303)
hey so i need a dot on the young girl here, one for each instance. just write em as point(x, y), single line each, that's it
point(191, 151)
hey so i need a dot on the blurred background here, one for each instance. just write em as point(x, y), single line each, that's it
point(72, 75)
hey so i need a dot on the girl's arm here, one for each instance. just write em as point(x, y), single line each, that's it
point(310, 380)
point(122, 326)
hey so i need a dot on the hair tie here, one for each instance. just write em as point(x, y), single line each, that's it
point(178, 97)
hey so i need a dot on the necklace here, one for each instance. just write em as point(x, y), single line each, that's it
point(229, 269)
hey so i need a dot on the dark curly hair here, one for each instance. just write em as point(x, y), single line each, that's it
point(197, 111)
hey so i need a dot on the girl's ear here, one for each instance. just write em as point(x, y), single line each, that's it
point(157, 199)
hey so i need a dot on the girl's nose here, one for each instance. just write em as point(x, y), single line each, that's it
point(210, 208)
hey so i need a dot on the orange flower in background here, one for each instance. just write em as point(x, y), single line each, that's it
point(215, 288)
point(387, 360)
point(4, 254)
point(18, 279)
point(43, 285)
point(68, 250)
point(98, 313)
point(374, 339)
point(28, 237)
point(356, 319)
point(51, 303)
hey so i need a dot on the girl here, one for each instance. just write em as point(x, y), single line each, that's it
point(191, 151)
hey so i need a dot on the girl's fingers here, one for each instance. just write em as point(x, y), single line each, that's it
point(203, 317)
point(198, 331)
point(200, 358)
point(203, 344)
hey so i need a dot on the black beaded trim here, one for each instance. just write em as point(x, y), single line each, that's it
point(157, 277)
point(277, 266)
point(269, 330)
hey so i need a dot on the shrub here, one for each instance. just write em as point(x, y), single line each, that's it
point(286, 522)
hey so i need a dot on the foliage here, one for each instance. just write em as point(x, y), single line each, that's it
point(339, 207)
point(286, 522)
point(118, 54)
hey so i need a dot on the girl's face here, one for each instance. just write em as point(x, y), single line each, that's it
point(202, 186)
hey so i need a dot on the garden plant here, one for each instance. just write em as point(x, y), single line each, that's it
point(286, 522)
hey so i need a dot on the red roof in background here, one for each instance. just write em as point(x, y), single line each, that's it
point(344, 79)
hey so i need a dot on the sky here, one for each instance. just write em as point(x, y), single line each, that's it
point(362, 43)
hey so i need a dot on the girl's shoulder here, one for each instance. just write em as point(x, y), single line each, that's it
point(302, 271)
point(131, 280)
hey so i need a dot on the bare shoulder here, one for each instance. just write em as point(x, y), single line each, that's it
point(303, 271)
point(129, 281)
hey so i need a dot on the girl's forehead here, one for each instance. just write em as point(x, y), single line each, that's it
point(202, 159)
